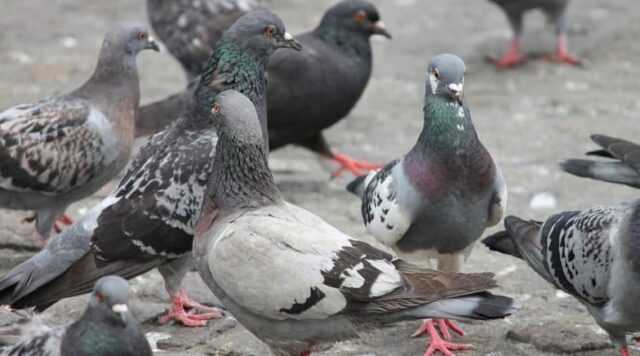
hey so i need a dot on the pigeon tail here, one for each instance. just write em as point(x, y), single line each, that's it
point(501, 242)
point(357, 186)
point(477, 306)
point(613, 172)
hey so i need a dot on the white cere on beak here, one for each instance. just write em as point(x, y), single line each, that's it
point(120, 308)
point(379, 24)
point(287, 36)
point(456, 88)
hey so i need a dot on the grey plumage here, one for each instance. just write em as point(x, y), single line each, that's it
point(61, 149)
point(623, 166)
point(592, 255)
point(105, 328)
point(292, 279)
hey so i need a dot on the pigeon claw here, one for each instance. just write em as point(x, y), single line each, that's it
point(562, 57)
point(624, 351)
point(441, 343)
point(189, 318)
point(507, 61)
point(356, 167)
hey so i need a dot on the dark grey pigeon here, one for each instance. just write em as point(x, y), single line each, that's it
point(105, 328)
point(61, 149)
point(515, 10)
point(148, 220)
point(594, 255)
point(292, 279)
point(622, 168)
point(435, 201)
point(190, 29)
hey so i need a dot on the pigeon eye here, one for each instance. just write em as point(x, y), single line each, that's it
point(100, 297)
point(360, 16)
point(215, 109)
point(142, 35)
point(436, 73)
point(270, 31)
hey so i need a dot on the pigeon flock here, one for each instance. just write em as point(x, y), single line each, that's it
point(199, 193)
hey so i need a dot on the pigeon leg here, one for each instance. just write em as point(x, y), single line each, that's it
point(510, 59)
point(438, 343)
point(191, 318)
point(624, 351)
point(562, 54)
point(352, 165)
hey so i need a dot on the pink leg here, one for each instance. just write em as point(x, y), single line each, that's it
point(562, 54)
point(352, 165)
point(624, 351)
point(64, 219)
point(438, 343)
point(190, 318)
point(510, 59)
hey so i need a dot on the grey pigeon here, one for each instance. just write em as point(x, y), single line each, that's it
point(555, 11)
point(106, 327)
point(61, 149)
point(190, 29)
point(593, 255)
point(148, 220)
point(436, 200)
point(292, 279)
point(622, 168)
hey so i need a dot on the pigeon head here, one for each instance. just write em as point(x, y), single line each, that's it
point(130, 39)
point(445, 77)
point(111, 294)
point(235, 116)
point(261, 31)
point(356, 16)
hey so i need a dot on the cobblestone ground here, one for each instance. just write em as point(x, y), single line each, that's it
point(529, 118)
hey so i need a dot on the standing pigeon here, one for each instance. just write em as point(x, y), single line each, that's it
point(311, 90)
point(623, 169)
point(294, 280)
point(148, 220)
point(190, 29)
point(58, 150)
point(594, 255)
point(105, 328)
point(515, 9)
point(435, 201)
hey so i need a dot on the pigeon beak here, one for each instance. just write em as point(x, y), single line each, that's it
point(380, 29)
point(121, 310)
point(288, 41)
point(152, 44)
point(457, 90)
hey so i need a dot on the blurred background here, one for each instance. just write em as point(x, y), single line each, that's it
point(529, 118)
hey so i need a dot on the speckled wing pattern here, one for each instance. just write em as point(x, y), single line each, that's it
point(46, 343)
point(578, 251)
point(159, 198)
point(383, 216)
point(53, 146)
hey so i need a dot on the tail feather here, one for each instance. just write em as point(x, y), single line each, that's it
point(501, 242)
point(357, 186)
point(156, 116)
point(478, 306)
point(613, 172)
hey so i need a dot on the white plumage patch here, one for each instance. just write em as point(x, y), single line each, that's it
point(387, 281)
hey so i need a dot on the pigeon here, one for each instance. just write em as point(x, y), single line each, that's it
point(436, 200)
point(294, 280)
point(148, 220)
point(555, 11)
point(106, 327)
point(623, 168)
point(61, 149)
point(190, 29)
point(592, 255)
point(326, 78)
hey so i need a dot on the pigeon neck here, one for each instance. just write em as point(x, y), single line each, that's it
point(114, 66)
point(353, 43)
point(241, 177)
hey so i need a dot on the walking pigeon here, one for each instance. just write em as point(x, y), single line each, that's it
point(105, 328)
point(555, 11)
point(294, 280)
point(624, 168)
point(61, 149)
point(592, 254)
point(148, 220)
point(190, 29)
point(436, 200)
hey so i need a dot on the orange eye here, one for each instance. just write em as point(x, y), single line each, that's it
point(360, 16)
point(270, 31)
point(142, 35)
point(99, 297)
point(215, 109)
point(436, 73)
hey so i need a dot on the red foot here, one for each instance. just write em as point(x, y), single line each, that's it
point(64, 219)
point(438, 343)
point(352, 165)
point(624, 351)
point(510, 59)
point(188, 318)
point(562, 57)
